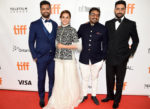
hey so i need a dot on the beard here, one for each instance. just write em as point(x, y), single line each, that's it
point(46, 15)
point(94, 20)
point(119, 15)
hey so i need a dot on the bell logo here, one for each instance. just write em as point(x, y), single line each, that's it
point(55, 8)
point(0, 81)
point(20, 29)
point(24, 82)
point(23, 65)
point(124, 86)
point(130, 8)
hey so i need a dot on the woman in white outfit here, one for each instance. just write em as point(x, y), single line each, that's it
point(66, 91)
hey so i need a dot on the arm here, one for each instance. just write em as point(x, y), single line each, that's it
point(75, 42)
point(32, 39)
point(80, 32)
point(105, 42)
point(135, 39)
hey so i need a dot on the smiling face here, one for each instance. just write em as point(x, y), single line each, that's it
point(45, 11)
point(65, 19)
point(94, 16)
point(120, 10)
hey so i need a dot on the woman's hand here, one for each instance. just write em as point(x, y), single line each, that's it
point(59, 46)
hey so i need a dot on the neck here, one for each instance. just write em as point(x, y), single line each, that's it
point(65, 25)
point(46, 18)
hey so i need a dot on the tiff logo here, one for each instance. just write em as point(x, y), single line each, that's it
point(23, 65)
point(55, 9)
point(0, 81)
point(124, 86)
point(25, 82)
point(20, 29)
point(130, 8)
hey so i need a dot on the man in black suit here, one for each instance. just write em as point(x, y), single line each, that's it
point(120, 30)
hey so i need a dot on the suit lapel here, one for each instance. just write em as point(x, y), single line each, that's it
point(121, 24)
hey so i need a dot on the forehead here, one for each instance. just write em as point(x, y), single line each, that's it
point(95, 11)
point(65, 14)
point(45, 6)
point(120, 6)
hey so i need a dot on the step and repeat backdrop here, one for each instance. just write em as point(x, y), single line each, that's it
point(17, 68)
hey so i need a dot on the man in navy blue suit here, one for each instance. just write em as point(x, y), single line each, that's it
point(42, 46)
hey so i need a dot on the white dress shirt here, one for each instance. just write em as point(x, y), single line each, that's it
point(117, 23)
point(48, 25)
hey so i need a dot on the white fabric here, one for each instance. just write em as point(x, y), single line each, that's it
point(67, 92)
point(86, 71)
point(48, 25)
point(117, 24)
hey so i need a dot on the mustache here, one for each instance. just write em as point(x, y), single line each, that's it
point(119, 13)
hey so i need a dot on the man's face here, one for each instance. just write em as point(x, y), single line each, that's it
point(45, 11)
point(120, 10)
point(94, 16)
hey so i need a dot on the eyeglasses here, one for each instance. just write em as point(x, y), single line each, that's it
point(93, 14)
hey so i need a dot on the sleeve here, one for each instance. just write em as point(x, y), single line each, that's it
point(32, 39)
point(75, 40)
point(135, 39)
point(80, 32)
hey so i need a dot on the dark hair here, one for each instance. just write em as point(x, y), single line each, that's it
point(65, 11)
point(44, 3)
point(120, 2)
point(94, 9)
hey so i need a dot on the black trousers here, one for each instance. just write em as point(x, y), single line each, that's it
point(115, 73)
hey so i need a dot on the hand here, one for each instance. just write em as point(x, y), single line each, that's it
point(35, 60)
point(59, 46)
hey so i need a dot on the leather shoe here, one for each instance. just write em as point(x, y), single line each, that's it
point(106, 99)
point(84, 98)
point(115, 105)
point(42, 103)
point(95, 100)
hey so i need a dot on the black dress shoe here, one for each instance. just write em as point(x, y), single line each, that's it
point(107, 99)
point(115, 105)
point(42, 103)
point(95, 100)
point(84, 98)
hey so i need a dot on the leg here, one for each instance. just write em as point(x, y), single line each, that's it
point(41, 68)
point(110, 80)
point(95, 73)
point(50, 69)
point(120, 75)
point(85, 71)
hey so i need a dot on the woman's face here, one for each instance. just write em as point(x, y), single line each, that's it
point(65, 19)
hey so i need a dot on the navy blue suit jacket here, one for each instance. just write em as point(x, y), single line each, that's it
point(39, 41)
point(94, 42)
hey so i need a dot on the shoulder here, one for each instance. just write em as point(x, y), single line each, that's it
point(130, 21)
point(35, 22)
point(109, 21)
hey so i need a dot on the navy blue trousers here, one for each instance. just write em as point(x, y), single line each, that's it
point(45, 64)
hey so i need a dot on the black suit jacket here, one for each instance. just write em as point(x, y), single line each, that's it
point(118, 48)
